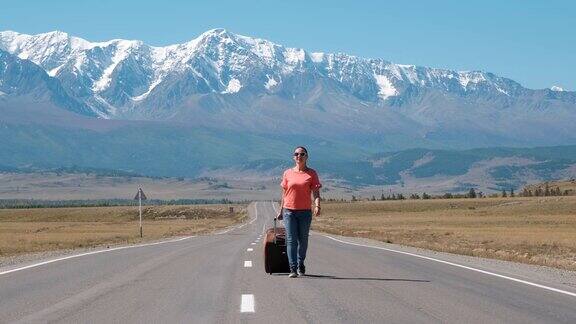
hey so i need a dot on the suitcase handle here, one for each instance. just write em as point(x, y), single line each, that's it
point(275, 230)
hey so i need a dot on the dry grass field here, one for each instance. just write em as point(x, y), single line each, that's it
point(568, 186)
point(536, 230)
point(44, 229)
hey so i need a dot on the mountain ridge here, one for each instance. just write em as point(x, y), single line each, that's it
point(121, 73)
point(130, 103)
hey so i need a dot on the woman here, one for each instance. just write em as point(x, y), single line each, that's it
point(298, 183)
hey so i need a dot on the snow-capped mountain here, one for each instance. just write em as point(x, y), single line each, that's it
point(22, 80)
point(224, 80)
point(120, 74)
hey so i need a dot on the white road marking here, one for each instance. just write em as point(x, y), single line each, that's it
point(459, 266)
point(240, 226)
point(247, 264)
point(256, 211)
point(91, 253)
point(249, 249)
point(247, 305)
point(253, 243)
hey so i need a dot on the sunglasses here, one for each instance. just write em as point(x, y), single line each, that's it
point(300, 154)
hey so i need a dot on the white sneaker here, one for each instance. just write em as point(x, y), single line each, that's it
point(293, 275)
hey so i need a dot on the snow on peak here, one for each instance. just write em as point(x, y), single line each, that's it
point(474, 77)
point(405, 72)
point(234, 86)
point(317, 57)
point(145, 94)
point(262, 48)
point(294, 56)
point(123, 48)
point(386, 88)
point(557, 88)
point(214, 32)
point(231, 58)
point(270, 83)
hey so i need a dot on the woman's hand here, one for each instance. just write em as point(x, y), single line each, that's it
point(316, 195)
point(316, 211)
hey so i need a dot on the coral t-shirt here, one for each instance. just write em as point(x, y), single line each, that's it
point(298, 186)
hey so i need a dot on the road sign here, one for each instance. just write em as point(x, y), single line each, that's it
point(140, 195)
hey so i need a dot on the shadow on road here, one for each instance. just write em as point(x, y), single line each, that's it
point(375, 279)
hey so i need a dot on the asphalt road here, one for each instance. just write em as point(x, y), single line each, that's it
point(207, 279)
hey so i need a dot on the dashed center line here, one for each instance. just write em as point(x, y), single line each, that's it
point(247, 264)
point(252, 243)
point(249, 249)
point(247, 305)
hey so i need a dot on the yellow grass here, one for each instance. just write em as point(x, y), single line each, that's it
point(568, 186)
point(533, 230)
point(37, 230)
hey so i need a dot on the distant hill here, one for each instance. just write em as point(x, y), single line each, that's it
point(487, 169)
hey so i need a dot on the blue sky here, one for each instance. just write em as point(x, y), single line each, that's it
point(532, 42)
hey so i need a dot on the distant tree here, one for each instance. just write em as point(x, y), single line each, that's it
point(373, 198)
point(382, 197)
point(558, 192)
point(547, 191)
point(400, 196)
point(426, 196)
point(511, 192)
point(504, 193)
point(471, 193)
point(353, 198)
point(414, 196)
point(448, 196)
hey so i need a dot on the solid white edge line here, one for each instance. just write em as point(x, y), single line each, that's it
point(247, 304)
point(459, 266)
point(256, 212)
point(242, 225)
point(247, 264)
point(119, 248)
point(90, 253)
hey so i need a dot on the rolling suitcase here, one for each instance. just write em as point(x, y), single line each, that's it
point(275, 257)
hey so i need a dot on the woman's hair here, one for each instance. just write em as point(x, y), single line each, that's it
point(303, 148)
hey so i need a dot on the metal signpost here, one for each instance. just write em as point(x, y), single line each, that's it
point(140, 196)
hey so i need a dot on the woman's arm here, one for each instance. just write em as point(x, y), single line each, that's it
point(316, 195)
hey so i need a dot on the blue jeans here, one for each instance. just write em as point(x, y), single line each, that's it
point(297, 223)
